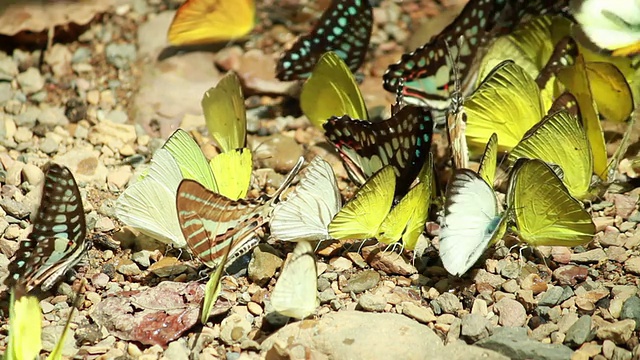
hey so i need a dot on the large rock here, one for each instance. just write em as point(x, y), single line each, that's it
point(514, 343)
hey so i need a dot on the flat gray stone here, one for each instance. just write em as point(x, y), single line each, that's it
point(514, 343)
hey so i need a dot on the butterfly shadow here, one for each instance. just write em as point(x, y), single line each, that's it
point(172, 50)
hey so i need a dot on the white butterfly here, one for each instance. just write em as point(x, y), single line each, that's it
point(149, 204)
point(471, 222)
point(612, 24)
point(296, 291)
point(310, 208)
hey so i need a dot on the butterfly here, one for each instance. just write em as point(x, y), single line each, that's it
point(507, 102)
point(212, 223)
point(331, 90)
point(207, 21)
point(425, 70)
point(310, 207)
point(403, 141)
point(544, 211)
point(224, 113)
point(58, 240)
point(369, 213)
point(144, 205)
point(561, 140)
point(296, 291)
point(456, 121)
point(344, 28)
point(25, 328)
point(613, 26)
point(472, 219)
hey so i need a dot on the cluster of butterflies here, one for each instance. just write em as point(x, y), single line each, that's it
point(536, 94)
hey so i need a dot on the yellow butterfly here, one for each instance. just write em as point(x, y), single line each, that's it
point(25, 327)
point(208, 21)
point(559, 139)
point(331, 90)
point(224, 113)
point(507, 102)
point(543, 210)
point(361, 217)
point(406, 220)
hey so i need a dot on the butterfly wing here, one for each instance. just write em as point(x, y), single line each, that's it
point(507, 102)
point(560, 139)
point(545, 213)
point(232, 171)
point(189, 157)
point(25, 328)
point(361, 217)
point(344, 28)
point(331, 90)
point(57, 242)
point(224, 113)
point(406, 220)
point(403, 141)
point(488, 163)
point(470, 223)
point(310, 207)
point(208, 21)
point(147, 204)
point(296, 291)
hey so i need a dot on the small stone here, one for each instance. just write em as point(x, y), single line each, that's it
point(479, 307)
point(617, 253)
point(32, 174)
point(30, 81)
point(23, 135)
point(570, 274)
point(167, 266)
point(608, 347)
point(326, 296)
point(52, 117)
point(420, 313)
point(362, 281)
point(128, 268)
point(48, 145)
point(100, 280)
point(474, 327)
point(104, 224)
point(632, 265)
point(120, 55)
point(390, 263)
point(177, 350)
point(621, 354)
point(590, 256)
point(234, 329)
point(263, 264)
point(120, 176)
point(341, 264)
point(510, 286)
point(566, 321)
point(8, 69)
point(12, 232)
point(543, 331)
point(369, 302)
point(580, 332)
point(619, 332)
point(514, 343)
point(534, 283)
point(484, 277)
point(511, 313)
point(254, 308)
point(118, 116)
point(631, 310)
point(142, 258)
point(449, 303)
point(551, 297)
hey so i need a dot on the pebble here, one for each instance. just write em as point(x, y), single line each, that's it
point(326, 296)
point(254, 308)
point(340, 264)
point(543, 331)
point(580, 332)
point(617, 253)
point(590, 256)
point(48, 145)
point(167, 266)
point(6, 92)
point(142, 258)
point(514, 343)
point(420, 313)
point(8, 69)
point(177, 350)
point(128, 268)
point(510, 286)
point(234, 329)
point(263, 264)
point(449, 303)
point(632, 265)
point(30, 81)
point(52, 117)
point(32, 174)
point(474, 327)
point(120, 55)
point(23, 135)
point(511, 312)
point(104, 224)
point(118, 116)
point(619, 332)
point(631, 310)
point(372, 303)
point(362, 281)
point(570, 274)
point(100, 280)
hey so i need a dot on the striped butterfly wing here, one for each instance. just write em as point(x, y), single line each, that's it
point(58, 240)
point(403, 141)
point(426, 71)
point(212, 223)
point(344, 28)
